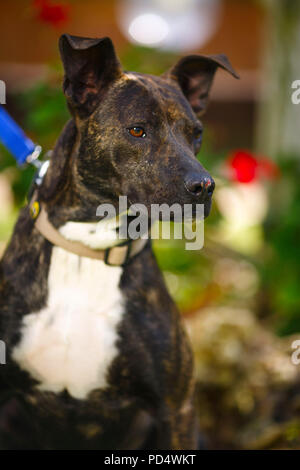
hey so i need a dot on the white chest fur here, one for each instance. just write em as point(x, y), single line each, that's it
point(71, 342)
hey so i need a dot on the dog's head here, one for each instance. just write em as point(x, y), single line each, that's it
point(138, 134)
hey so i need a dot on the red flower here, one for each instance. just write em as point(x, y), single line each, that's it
point(245, 167)
point(54, 14)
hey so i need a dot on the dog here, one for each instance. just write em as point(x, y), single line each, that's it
point(97, 356)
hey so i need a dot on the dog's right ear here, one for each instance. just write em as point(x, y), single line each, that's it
point(91, 65)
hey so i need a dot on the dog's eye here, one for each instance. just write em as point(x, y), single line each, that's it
point(198, 135)
point(137, 132)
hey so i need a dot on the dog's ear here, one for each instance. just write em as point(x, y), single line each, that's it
point(91, 65)
point(195, 74)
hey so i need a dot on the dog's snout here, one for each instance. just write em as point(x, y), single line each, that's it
point(199, 185)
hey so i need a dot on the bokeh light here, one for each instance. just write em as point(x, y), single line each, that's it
point(173, 25)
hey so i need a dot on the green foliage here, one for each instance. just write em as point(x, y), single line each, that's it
point(146, 60)
point(20, 178)
point(281, 268)
point(45, 112)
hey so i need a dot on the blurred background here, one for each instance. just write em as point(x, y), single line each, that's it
point(239, 295)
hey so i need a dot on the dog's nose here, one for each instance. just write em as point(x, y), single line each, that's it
point(200, 185)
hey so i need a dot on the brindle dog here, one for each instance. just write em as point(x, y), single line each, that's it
point(97, 357)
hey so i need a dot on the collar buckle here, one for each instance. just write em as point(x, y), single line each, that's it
point(113, 252)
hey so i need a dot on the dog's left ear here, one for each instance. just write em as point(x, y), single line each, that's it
point(91, 65)
point(195, 74)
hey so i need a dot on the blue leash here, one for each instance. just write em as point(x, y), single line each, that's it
point(22, 148)
point(18, 144)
